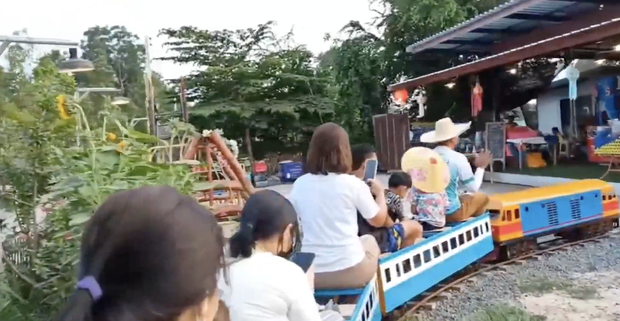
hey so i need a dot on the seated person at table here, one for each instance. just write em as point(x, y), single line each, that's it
point(263, 284)
point(460, 208)
point(397, 232)
point(327, 200)
point(430, 176)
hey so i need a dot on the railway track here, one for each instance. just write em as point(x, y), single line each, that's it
point(442, 291)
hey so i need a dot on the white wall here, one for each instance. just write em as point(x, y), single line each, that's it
point(549, 104)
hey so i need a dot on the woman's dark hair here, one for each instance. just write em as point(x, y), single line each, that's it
point(360, 153)
point(153, 252)
point(266, 214)
point(329, 150)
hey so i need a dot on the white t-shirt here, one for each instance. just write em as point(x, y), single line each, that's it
point(265, 287)
point(327, 207)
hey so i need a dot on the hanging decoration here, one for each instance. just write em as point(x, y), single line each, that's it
point(476, 99)
point(401, 96)
point(420, 97)
point(572, 74)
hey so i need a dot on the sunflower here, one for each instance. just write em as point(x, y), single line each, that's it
point(61, 104)
point(110, 136)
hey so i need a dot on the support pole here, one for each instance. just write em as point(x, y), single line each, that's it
point(148, 87)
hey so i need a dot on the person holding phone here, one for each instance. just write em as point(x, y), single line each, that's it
point(397, 232)
point(327, 200)
point(270, 281)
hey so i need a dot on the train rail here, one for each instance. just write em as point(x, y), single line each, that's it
point(435, 295)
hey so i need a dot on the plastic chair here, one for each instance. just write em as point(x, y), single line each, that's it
point(563, 144)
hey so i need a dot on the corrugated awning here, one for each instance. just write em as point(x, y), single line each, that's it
point(575, 38)
point(505, 22)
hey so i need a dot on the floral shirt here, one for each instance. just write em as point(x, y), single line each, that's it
point(429, 208)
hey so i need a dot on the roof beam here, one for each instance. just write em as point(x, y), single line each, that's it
point(572, 39)
point(539, 34)
point(497, 31)
point(476, 23)
point(536, 17)
point(472, 42)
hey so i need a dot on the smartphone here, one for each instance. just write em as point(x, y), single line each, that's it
point(371, 169)
point(303, 260)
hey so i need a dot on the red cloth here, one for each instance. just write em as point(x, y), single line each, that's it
point(476, 100)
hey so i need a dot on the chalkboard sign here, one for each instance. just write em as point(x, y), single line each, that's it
point(495, 142)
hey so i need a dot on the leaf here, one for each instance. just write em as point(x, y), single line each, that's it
point(79, 219)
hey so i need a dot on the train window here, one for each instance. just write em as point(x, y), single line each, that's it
point(427, 256)
point(508, 215)
point(461, 239)
point(444, 247)
point(417, 262)
point(436, 251)
point(398, 273)
point(406, 266)
point(476, 234)
point(453, 243)
point(517, 214)
point(487, 226)
point(503, 216)
point(604, 197)
point(468, 234)
point(388, 276)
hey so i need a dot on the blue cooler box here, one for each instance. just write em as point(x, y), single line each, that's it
point(290, 171)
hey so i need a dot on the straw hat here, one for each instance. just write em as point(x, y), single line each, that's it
point(444, 129)
point(429, 172)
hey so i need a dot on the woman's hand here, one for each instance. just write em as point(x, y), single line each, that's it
point(376, 188)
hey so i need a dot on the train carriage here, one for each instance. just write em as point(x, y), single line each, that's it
point(410, 272)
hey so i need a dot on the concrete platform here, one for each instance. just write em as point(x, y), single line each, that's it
point(487, 188)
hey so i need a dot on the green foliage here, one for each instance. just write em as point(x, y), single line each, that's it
point(119, 58)
point(49, 173)
point(251, 80)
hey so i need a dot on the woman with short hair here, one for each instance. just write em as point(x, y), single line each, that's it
point(327, 200)
point(148, 254)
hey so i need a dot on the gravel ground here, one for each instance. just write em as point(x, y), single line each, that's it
point(563, 286)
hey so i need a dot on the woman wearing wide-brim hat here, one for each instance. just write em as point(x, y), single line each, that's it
point(446, 137)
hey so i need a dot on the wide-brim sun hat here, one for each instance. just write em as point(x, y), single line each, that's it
point(445, 129)
point(429, 172)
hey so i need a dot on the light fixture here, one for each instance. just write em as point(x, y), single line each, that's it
point(513, 71)
point(450, 85)
point(600, 61)
point(75, 64)
point(617, 48)
point(118, 101)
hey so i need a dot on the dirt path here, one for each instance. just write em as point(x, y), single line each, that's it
point(592, 297)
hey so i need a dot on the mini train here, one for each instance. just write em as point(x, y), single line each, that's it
point(510, 228)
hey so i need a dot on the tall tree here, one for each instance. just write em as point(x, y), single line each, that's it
point(253, 84)
point(119, 59)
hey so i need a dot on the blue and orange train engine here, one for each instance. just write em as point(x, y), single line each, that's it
point(574, 210)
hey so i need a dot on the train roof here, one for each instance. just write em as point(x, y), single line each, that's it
point(546, 192)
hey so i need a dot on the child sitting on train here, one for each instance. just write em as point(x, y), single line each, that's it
point(397, 232)
point(429, 177)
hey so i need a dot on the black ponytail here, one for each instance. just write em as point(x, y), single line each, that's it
point(79, 307)
point(243, 242)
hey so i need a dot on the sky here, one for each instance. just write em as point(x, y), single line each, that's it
point(68, 19)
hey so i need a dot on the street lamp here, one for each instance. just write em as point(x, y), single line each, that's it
point(75, 64)
point(118, 101)
point(81, 93)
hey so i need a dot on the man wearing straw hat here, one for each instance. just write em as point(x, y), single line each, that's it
point(460, 207)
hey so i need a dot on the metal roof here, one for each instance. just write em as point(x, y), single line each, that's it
point(506, 21)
